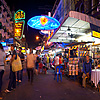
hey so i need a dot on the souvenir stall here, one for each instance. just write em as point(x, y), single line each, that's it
point(77, 53)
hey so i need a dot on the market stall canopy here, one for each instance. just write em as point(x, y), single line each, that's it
point(74, 25)
point(78, 43)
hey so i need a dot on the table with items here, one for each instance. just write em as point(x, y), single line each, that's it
point(95, 76)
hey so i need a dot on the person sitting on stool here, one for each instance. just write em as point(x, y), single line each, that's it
point(86, 70)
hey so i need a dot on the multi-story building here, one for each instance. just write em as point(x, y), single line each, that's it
point(6, 21)
point(63, 7)
point(77, 18)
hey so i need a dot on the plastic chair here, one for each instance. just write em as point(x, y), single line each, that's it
point(58, 73)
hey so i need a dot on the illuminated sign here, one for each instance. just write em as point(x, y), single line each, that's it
point(18, 30)
point(43, 23)
point(42, 48)
point(3, 43)
point(43, 20)
point(51, 34)
point(38, 48)
point(20, 14)
point(95, 34)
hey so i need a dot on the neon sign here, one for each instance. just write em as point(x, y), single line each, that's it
point(43, 20)
point(18, 30)
point(43, 23)
point(95, 34)
point(20, 14)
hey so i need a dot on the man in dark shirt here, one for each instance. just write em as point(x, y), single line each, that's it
point(20, 73)
point(12, 81)
point(86, 70)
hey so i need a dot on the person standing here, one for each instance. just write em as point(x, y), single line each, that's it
point(56, 61)
point(60, 60)
point(2, 64)
point(12, 77)
point(20, 73)
point(48, 62)
point(45, 60)
point(86, 70)
point(37, 64)
point(30, 60)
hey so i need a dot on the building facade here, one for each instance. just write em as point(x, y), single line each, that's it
point(77, 18)
point(89, 7)
point(6, 21)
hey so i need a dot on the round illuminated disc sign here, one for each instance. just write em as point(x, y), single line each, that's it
point(43, 20)
point(43, 23)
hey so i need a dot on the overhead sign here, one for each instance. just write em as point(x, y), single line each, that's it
point(43, 23)
point(20, 14)
point(42, 48)
point(19, 24)
point(3, 43)
point(95, 34)
point(43, 20)
point(9, 41)
point(38, 48)
point(18, 30)
point(51, 34)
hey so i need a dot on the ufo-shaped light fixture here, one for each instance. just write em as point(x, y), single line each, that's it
point(43, 23)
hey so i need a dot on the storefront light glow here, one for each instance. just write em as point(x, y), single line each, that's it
point(43, 23)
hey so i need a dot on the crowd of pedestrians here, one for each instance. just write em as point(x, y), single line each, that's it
point(34, 64)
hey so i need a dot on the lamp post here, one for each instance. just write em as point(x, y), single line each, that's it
point(39, 38)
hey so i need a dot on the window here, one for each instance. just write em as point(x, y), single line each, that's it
point(82, 8)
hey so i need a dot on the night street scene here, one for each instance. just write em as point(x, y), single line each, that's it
point(49, 49)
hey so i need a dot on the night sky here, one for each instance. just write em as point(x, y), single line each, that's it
point(32, 8)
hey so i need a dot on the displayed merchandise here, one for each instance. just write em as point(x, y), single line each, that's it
point(73, 66)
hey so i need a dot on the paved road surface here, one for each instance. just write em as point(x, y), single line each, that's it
point(45, 87)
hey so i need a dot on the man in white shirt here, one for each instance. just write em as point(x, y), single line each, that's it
point(31, 59)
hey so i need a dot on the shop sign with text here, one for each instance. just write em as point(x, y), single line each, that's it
point(95, 34)
point(20, 14)
point(19, 27)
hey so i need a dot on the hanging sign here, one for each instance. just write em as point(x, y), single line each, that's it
point(19, 24)
point(18, 30)
point(43, 23)
point(20, 14)
point(95, 34)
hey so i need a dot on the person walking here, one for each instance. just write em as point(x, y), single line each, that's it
point(37, 64)
point(86, 70)
point(30, 60)
point(2, 64)
point(20, 73)
point(12, 77)
point(48, 62)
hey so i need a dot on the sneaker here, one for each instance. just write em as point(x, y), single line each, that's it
point(19, 81)
point(7, 91)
